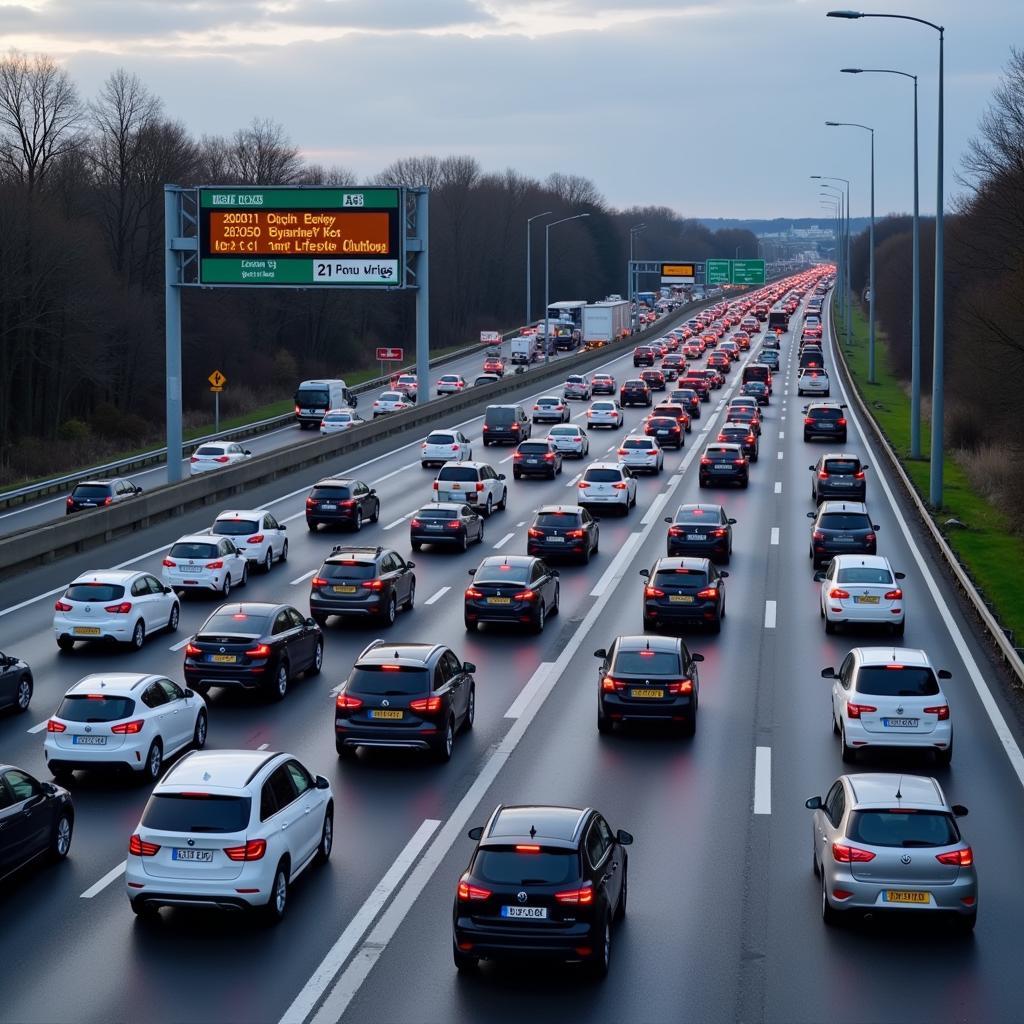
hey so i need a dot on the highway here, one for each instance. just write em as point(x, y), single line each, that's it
point(723, 921)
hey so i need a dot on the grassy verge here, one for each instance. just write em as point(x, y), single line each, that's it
point(991, 553)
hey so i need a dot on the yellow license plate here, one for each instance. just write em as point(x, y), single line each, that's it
point(87, 631)
point(344, 590)
point(499, 600)
point(681, 598)
point(866, 600)
point(647, 693)
point(225, 659)
point(391, 715)
point(904, 896)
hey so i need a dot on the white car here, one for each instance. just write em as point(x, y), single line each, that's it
point(813, 381)
point(549, 408)
point(570, 439)
point(256, 534)
point(407, 383)
point(450, 384)
point(576, 386)
point(861, 589)
point(115, 605)
point(605, 413)
point(890, 697)
point(606, 485)
point(336, 421)
point(641, 454)
point(443, 446)
point(123, 720)
point(390, 401)
point(203, 562)
point(216, 456)
point(471, 483)
point(229, 829)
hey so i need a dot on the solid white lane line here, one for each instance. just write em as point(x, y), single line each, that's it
point(780, 454)
point(336, 956)
point(622, 558)
point(762, 780)
point(180, 644)
point(504, 540)
point(111, 876)
point(263, 746)
point(39, 726)
point(775, 535)
point(574, 481)
point(305, 576)
point(298, 515)
point(397, 522)
point(529, 691)
point(437, 597)
point(769, 615)
point(655, 510)
point(394, 472)
point(508, 458)
point(519, 526)
point(778, 486)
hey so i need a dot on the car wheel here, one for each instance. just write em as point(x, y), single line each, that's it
point(599, 965)
point(538, 625)
point(490, 507)
point(830, 626)
point(200, 730)
point(269, 560)
point(24, 694)
point(226, 589)
point(900, 628)
point(470, 626)
point(60, 841)
point(463, 542)
point(516, 475)
point(359, 520)
point(376, 513)
point(275, 907)
point(467, 722)
point(279, 688)
point(944, 758)
point(586, 556)
point(620, 909)
point(317, 663)
point(410, 601)
point(835, 724)
point(310, 526)
point(245, 575)
point(828, 913)
point(480, 535)
point(323, 851)
point(138, 636)
point(65, 643)
point(464, 963)
point(284, 553)
point(154, 762)
point(604, 724)
point(390, 611)
point(415, 545)
point(503, 504)
point(849, 754)
point(443, 750)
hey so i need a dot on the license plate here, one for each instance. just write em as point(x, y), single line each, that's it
point(194, 856)
point(224, 659)
point(533, 913)
point(328, 508)
point(721, 469)
point(845, 539)
point(456, 487)
point(842, 483)
point(905, 896)
point(647, 693)
point(434, 526)
point(389, 715)
point(900, 723)
point(87, 631)
point(662, 433)
point(89, 741)
point(695, 536)
point(681, 598)
point(866, 599)
point(556, 540)
point(344, 590)
point(499, 600)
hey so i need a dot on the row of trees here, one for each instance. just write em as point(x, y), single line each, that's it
point(81, 261)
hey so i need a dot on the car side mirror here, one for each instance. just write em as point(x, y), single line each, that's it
point(410, 565)
point(819, 577)
point(310, 622)
point(600, 653)
point(900, 575)
point(138, 490)
point(724, 574)
point(322, 783)
point(625, 838)
point(811, 515)
point(501, 476)
point(875, 526)
point(282, 526)
point(245, 451)
point(50, 789)
point(468, 666)
point(811, 468)
point(168, 590)
point(828, 673)
point(373, 490)
point(813, 804)
point(476, 833)
point(645, 573)
point(944, 673)
point(696, 657)
point(472, 572)
point(865, 467)
point(731, 522)
point(959, 810)
point(189, 693)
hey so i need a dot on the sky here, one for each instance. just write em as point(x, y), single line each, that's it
point(715, 108)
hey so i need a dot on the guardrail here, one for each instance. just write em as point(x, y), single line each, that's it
point(997, 632)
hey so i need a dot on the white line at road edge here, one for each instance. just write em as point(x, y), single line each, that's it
point(39, 726)
point(622, 557)
point(311, 992)
point(437, 597)
point(111, 876)
point(655, 510)
point(762, 780)
point(529, 691)
point(769, 615)
point(303, 577)
point(180, 644)
point(504, 540)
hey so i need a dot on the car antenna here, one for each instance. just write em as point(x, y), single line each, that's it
point(899, 787)
point(533, 832)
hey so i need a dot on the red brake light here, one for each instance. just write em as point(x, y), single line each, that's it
point(851, 854)
point(416, 523)
point(808, 420)
point(140, 848)
point(841, 421)
point(346, 703)
point(611, 685)
point(869, 538)
point(128, 728)
point(479, 487)
point(473, 592)
point(454, 524)
point(119, 609)
point(527, 848)
point(472, 892)
point(221, 458)
point(259, 651)
point(941, 710)
point(192, 651)
point(61, 606)
point(255, 539)
point(583, 896)
point(373, 585)
point(426, 704)
point(310, 502)
point(653, 592)
point(318, 581)
point(619, 486)
point(254, 849)
point(959, 858)
point(818, 535)
point(838, 594)
point(859, 475)
point(856, 710)
point(894, 595)
point(682, 686)
point(575, 534)
point(218, 564)
point(534, 532)
point(705, 461)
point(708, 594)
point(54, 726)
point(525, 595)
point(169, 563)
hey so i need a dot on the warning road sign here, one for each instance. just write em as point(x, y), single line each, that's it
point(217, 379)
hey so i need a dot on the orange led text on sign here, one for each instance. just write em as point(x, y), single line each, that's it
point(298, 233)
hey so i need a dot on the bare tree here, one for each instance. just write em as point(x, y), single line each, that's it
point(411, 172)
point(263, 155)
point(574, 190)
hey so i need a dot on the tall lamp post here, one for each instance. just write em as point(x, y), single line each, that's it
point(938, 342)
point(871, 246)
point(846, 182)
point(832, 202)
point(547, 279)
point(632, 282)
point(837, 193)
point(529, 303)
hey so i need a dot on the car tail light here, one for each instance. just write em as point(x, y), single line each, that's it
point(119, 609)
point(515, 426)
point(469, 892)
point(312, 502)
point(575, 534)
point(62, 606)
point(959, 858)
point(850, 854)
point(128, 728)
point(525, 595)
point(653, 592)
point(429, 704)
point(550, 457)
point(318, 581)
point(473, 592)
point(517, 457)
point(170, 565)
point(894, 595)
point(808, 420)
point(191, 651)
point(221, 458)
point(619, 486)
point(869, 538)
point(838, 594)
point(254, 849)
point(722, 437)
point(416, 523)
point(841, 421)
point(70, 502)
point(54, 726)
point(750, 438)
point(218, 564)
point(583, 896)
point(454, 524)
point(583, 484)
point(256, 538)
point(705, 461)
point(344, 702)
point(675, 531)
point(609, 684)
point(455, 447)
point(818, 535)
point(534, 532)
point(682, 686)
point(437, 486)
point(708, 594)
point(373, 585)
point(479, 487)
point(941, 710)
point(859, 475)
point(259, 651)
point(140, 848)
point(739, 462)
point(856, 710)
point(108, 501)
point(823, 475)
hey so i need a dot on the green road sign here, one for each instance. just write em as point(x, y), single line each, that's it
point(717, 272)
point(747, 271)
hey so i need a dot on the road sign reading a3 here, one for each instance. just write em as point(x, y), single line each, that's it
point(390, 355)
point(217, 379)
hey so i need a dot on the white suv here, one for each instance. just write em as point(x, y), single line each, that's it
point(471, 483)
point(640, 452)
point(441, 446)
point(813, 381)
point(203, 562)
point(123, 720)
point(607, 485)
point(230, 829)
point(256, 534)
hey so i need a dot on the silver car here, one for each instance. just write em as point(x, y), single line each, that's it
point(890, 842)
point(813, 381)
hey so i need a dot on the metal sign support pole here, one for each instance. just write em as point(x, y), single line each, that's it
point(172, 326)
point(216, 412)
point(422, 297)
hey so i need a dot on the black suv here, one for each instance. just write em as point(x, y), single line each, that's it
point(354, 581)
point(723, 463)
point(841, 528)
point(337, 500)
point(701, 529)
point(446, 522)
point(505, 424)
point(542, 882)
point(688, 399)
point(563, 531)
point(824, 419)
point(647, 679)
point(408, 695)
point(536, 458)
point(99, 494)
point(511, 588)
point(838, 475)
point(634, 392)
point(684, 590)
point(742, 434)
point(36, 820)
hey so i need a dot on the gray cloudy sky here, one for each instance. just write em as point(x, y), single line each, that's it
point(714, 108)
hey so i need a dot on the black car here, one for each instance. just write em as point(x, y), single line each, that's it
point(838, 475)
point(446, 522)
point(15, 683)
point(841, 528)
point(634, 392)
point(563, 531)
point(511, 588)
point(701, 529)
point(250, 645)
point(742, 434)
point(341, 501)
point(723, 463)
point(811, 358)
point(99, 494)
point(357, 582)
point(543, 882)
point(643, 355)
point(36, 820)
point(683, 590)
point(824, 419)
point(505, 424)
point(688, 399)
point(647, 679)
point(666, 429)
point(408, 695)
point(536, 458)
point(654, 379)
point(756, 389)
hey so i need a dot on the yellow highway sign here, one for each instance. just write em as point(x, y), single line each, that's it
point(217, 379)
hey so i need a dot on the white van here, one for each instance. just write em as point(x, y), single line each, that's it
point(314, 397)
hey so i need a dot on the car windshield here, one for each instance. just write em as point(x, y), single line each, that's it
point(864, 574)
point(503, 573)
point(94, 592)
point(88, 491)
point(897, 681)
point(234, 527)
point(903, 828)
point(388, 680)
point(94, 707)
point(331, 491)
point(196, 812)
point(602, 476)
point(512, 867)
point(236, 620)
point(647, 662)
point(210, 449)
point(348, 569)
point(441, 439)
point(555, 520)
point(193, 549)
point(463, 474)
point(844, 521)
point(843, 466)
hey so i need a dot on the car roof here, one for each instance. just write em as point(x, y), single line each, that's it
point(682, 562)
point(199, 538)
point(249, 607)
point(470, 463)
point(564, 427)
point(702, 506)
point(723, 446)
point(865, 561)
point(519, 560)
point(603, 465)
point(443, 430)
point(363, 550)
point(559, 510)
point(443, 506)
point(109, 575)
point(216, 769)
point(553, 826)
point(842, 506)
point(880, 789)
point(893, 656)
point(97, 483)
point(838, 455)
point(114, 683)
point(403, 653)
point(334, 481)
point(646, 642)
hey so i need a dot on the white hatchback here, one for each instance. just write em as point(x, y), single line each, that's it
point(813, 381)
point(114, 605)
point(123, 720)
point(256, 533)
point(441, 446)
point(230, 829)
point(471, 483)
point(450, 384)
point(641, 454)
point(390, 401)
point(606, 485)
point(208, 457)
point(861, 590)
point(203, 562)
point(337, 421)
point(605, 413)
point(570, 439)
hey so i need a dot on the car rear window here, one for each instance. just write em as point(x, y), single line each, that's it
point(655, 663)
point(842, 465)
point(89, 491)
point(644, 443)
point(459, 473)
point(603, 406)
point(722, 453)
point(499, 417)
point(437, 513)
point(602, 476)
point(234, 527)
point(98, 707)
point(348, 569)
point(663, 422)
point(844, 521)
point(388, 680)
point(864, 574)
point(734, 433)
point(534, 447)
point(193, 550)
point(441, 439)
point(635, 383)
point(310, 398)
point(331, 492)
point(564, 431)
point(94, 592)
point(681, 578)
point(235, 620)
point(902, 681)
point(548, 520)
point(178, 812)
point(210, 449)
point(503, 573)
point(512, 867)
point(337, 417)
point(903, 828)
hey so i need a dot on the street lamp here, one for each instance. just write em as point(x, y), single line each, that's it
point(632, 278)
point(529, 221)
point(915, 320)
point(846, 181)
point(835, 193)
point(938, 343)
point(871, 245)
point(547, 280)
point(834, 206)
